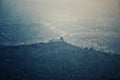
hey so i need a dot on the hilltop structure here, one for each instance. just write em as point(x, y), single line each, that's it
point(61, 39)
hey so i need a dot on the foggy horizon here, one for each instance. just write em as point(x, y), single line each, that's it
point(86, 23)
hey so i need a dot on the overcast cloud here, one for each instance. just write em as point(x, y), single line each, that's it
point(84, 23)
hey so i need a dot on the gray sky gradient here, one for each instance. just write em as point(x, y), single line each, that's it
point(85, 23)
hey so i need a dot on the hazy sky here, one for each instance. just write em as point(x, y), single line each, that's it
point(79, 21)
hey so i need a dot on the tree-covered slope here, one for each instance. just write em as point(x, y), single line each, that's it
point(57, 61)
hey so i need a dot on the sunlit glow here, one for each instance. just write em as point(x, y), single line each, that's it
point(76, 20)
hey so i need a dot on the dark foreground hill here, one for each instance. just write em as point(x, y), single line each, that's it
point(57, 61)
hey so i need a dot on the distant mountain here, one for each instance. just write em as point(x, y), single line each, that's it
point(57, 60)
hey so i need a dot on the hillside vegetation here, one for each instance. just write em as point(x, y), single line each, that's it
point(57, 61)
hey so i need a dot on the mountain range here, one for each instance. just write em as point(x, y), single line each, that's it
point(57, 60)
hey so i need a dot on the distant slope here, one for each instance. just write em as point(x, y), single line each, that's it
point(57, 61)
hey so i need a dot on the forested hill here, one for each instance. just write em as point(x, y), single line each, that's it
point(57, 61)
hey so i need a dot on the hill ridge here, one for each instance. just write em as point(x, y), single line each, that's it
point(57, 61)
